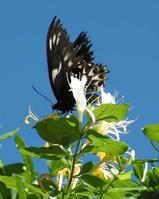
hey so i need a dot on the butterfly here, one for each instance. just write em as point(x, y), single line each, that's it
point(66, 58)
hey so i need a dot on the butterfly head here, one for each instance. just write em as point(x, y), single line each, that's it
point(63, 107)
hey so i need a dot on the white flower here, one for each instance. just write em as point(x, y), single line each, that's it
point(78, 88)
point(112, 129)
point(60, 176)
point(145, 172)
point(31, 115)
point(106, 98)
point(131, 154)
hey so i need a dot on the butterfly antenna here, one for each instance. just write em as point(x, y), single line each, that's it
point(42, 95)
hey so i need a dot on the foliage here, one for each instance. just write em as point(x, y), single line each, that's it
point(84, 161)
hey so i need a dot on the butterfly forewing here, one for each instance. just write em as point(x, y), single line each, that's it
point(61, 57)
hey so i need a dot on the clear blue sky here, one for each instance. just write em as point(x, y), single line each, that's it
point(125, 36)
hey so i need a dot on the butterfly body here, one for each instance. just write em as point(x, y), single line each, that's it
point(67, 58)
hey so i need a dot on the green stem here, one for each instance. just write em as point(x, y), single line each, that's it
point(108, 187)
point(80, 117)
point(73, 165)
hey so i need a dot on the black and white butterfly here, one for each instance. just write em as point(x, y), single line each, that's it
point(66, 58)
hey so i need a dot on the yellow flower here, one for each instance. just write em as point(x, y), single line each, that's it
point(102, 173)
point(101, 155)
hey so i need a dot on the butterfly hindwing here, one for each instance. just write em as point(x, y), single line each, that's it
point(83, 46)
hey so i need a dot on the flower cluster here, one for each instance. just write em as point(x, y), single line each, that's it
point(108, 165)
point(78, 88)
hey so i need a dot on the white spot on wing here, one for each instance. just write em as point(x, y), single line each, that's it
point(70, 63)
point(57, 41)
point(50, 44)
point(59, 34)
point(84, 71)
point(54, 74)
point(91, 73)
point(67, 56)
point(96, 77)
point(54, 38)
point(60, 65)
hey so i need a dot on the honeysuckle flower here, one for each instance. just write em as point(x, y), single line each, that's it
point(32, 116)
point(78, 88)
point(102, 173)
point(77, 170)
point(131, 154)
point(64, 172)
point(106, 98)
point(59, 180)
point(105, 171)
point(103, 157)
point(113, 129)
point(145, 172)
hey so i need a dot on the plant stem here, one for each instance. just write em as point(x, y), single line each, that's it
point(80, 117)
point(73, 164)
point(108, 187)
point(115, 178)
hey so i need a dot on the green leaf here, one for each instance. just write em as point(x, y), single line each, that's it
point(138, 169)
point(83, 191)
point(10, 134)
point(111, 112)
point(152, 132)
point(51, 152)
point(33, 196)
point(20, 188)
point(56, 165)
point(27, 159)
point(127, 185)
point(93, 181)
point(5, 193)
point(10, 181)
point(37, 190)
point(58, 130)
point(146, 160)
point(114, 195)
point(86, 167)
point(107, 145)
point(126, 175)
point(122, 189)
point(16, 168)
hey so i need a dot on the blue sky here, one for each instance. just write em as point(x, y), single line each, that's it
point(124, 36)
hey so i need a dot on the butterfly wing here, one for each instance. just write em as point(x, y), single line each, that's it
point(66, 59)
point(60, 57)
point(83, 46)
